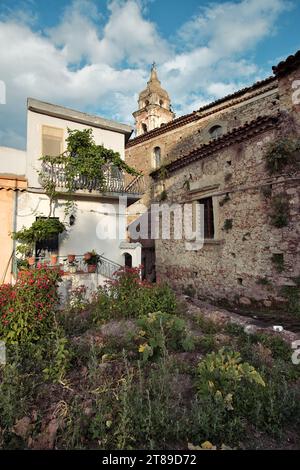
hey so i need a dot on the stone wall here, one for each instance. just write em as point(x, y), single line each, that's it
point(237, 264)
point(180, 141)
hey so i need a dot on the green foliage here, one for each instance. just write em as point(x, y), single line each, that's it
point(60, 357)
point(163, 195)
point(280, 348)
point(41, 229)
point(207, 325)
point(279, 211)
point(292, 294)
point(227, 225)
point(85, 158)
point(94, 259)
point(278, 261)
point(224, 200)
point(222, 373)
point(160, 331)
point(127, 296)
point(281, 154)
point(263, 281)
point(206, 343)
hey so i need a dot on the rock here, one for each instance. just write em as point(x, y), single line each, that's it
point(245, 301)
point(23, 427)
point(46, 439)
point(118, 329)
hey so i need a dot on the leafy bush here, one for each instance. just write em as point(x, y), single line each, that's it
point(160, 331)
point(128, 296)
point(222, 373)
point(280, 211)
point(207, 325)
point(27, 308)
point(281, 153)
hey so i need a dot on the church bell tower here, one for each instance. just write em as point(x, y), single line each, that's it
point(154, 106)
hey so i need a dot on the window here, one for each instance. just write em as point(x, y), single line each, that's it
point(144, 127)
point(161, 102)
point(44, 248)
point(52, 141)
point(215, 132)
point(157, 157)
point(146, 103)
point(209, 229)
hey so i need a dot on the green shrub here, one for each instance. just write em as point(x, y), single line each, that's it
point(160, 331)
point(279, 211)
point(207, 325)
point(129, 297)
point(227, 225)
point(281, 153)
point(278, 262)
point(280, 348)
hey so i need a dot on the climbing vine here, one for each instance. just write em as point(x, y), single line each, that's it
point(84, 158)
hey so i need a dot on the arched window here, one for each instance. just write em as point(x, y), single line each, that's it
point(161, 102)
point(156, 157)
point(215, 132)
point(146, 103)
point(144, 127)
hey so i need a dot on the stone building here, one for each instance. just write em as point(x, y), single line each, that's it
point(217, 157)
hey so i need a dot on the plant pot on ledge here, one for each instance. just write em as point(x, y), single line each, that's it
point(53, 260)
point(87, 256)
point(92, 268)
point(31, 260)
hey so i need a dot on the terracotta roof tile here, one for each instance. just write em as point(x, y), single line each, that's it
point(196, 115)
point(249, 129)
point(287, 65)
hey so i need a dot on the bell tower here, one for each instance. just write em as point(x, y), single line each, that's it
point(154, 106)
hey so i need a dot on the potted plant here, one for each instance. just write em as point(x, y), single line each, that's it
point(53, 259)
point(87, 255)
point(73, 267)
point(71, 258)
point(93, 261)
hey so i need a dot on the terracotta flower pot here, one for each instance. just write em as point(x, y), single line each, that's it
point(71, 258)
point(31, 260)
point(53, 260)
point(87, 255)
point(92, 268)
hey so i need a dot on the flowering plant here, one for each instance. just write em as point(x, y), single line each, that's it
point(27, 308)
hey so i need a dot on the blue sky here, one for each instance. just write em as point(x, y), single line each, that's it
point(95, 55)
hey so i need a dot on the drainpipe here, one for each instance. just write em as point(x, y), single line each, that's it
point(14, 226)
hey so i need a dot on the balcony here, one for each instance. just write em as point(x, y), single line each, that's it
point(105, 267)
point(115, 181)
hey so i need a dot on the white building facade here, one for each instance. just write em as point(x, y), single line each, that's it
point(98, 220)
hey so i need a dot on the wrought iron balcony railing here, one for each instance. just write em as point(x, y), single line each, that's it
point(105, 267)
point(115, 181)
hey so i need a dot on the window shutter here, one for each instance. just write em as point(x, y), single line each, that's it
point(52, 141)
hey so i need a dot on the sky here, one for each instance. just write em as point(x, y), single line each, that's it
point(95, 55)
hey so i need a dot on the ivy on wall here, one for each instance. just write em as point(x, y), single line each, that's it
point(281, 154)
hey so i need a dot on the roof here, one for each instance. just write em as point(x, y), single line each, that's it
point(61, 112)
point(287, 65)
point(248, 130)
point(14, 182)
point(204, 111)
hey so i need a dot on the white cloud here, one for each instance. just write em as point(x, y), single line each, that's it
point(99, 63)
